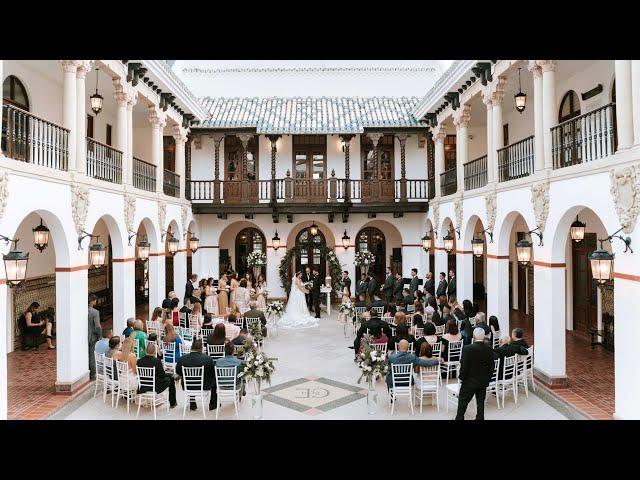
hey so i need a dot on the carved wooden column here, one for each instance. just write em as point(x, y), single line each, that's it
point(274, 150)
point(375, 181)
point(217, 138)
point(244, 185)
point(347, 166)
point(402, 138)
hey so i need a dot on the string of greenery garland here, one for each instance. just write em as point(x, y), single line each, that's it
point(335, 268)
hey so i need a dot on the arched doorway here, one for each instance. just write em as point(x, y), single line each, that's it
point(447, 229)
point(310, 251)
point(371, 239)
point(14, 95)
point(248, 240)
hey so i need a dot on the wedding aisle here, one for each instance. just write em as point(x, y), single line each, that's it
point(316, 378)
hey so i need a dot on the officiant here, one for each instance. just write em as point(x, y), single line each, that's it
point(307, 277)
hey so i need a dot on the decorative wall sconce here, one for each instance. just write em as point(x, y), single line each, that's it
point(194, 242)
point(97, 251)
point(602, 261)
point(15, 263)
point(275, 241)
point(172, 242)
point(41, 236)
point(524, 248)
point(577, 230)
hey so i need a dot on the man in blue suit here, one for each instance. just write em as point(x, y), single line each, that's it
point(229, 360)
point(402, 356)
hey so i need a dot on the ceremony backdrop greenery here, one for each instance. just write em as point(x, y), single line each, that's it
point(335, 268)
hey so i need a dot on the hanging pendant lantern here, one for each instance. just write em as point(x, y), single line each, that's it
point(96, 99)
point(448, 243)
point(577, 230)
point(15, 265)
point(346, 240)
point(172, 245)
point(601, 265)
point(524, 250)
point(477, 245)
point(426, 242)
point(275, 241)
point(194, 244)
point(41, 236)
point(97, 255)
point(144, 247)
point(520, 97)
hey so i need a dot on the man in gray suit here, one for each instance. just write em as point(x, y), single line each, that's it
point(95, 330)
point(413, 286)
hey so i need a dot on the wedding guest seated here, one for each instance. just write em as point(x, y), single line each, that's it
point(403, 357)
point(197, 310)
point(207, 321)
point(32, 326)
point(231, 327)
point(126, 355)
point(507, 349)
point(494, 325)
point(405, 300)
point(425, 353)
point(377, 337)
point(229, 360)
point(217, 337)
point(166, 303)
point(429, 336)
point(442, 302)
point(163, 379)
point(517, 338)
point(361, 301)
point(400, 318)
point(378, 302)
point(391, 309)
point(157, 315)
point(175, 311)
point(102, 345)
point(451, 334)
point(187, 307)
point(402, 333)
point(431, 308)
point(466, 330)
point(172, 338)
point(371, 323)
point(457, 310)
point(418, 316)
point(114, 346)
point(480, 323)
point(153, 337)
point(139, 336)
point(130, 321)
point(196, 297)
point(253, 312)
point(196, 358)
point(469, 310)
point(241, 338)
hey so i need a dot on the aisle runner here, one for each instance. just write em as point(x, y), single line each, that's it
point(313, 395)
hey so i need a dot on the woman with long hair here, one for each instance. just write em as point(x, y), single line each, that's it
point(197, 311)
point(29, 325)
point(171, 337)
point(249, 278)
point(234, 287)
point(210, 298)
point(126, 355)
point(243, 297)
point(223, 296)
point(217, 337)
point(261, 301)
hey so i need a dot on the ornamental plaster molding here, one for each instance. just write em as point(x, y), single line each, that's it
point(4, 192)
point(436, 217)
point(491, 206)
point(625, 191)
point(156, 118)
point(69, 66)
point(462, 116)
point(80, 203)
point(184, 216)
point(439, 132)
point(129, 210)
point(534, 67)
point(162, 215)
point(540, 203)
point(547, 65)
point(458, 208)
point(84, 67)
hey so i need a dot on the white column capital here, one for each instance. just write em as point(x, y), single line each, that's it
point(497, 90)
point(547, 65)
point(69, 66)
point(487, 96)
point(439, 133)
point(179, 134)
point(402, 138)
point(84, 67)
point(156, 118)
point(375, 138)
point(534, 67)
point(462, 116)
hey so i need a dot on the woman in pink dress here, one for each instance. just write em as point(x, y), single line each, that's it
point(234, 286)
point(243, 297)
point(223, 296)
point(210, 299)
point(249, 278)
point(260, 299)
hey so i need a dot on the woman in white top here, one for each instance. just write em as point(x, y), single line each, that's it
point(260, 300)
point(242, 297)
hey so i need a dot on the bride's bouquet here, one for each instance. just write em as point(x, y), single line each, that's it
point(372, 363)
point(347, 308)
point(308, 285)
point(264, 291)
point(275, 308)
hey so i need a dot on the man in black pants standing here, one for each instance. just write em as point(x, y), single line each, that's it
point(315, 291)
point(476, 369)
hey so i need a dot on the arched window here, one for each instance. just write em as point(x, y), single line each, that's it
point(14, 93)
point(248, 240)
point(569, 107)
point(310, 251)
point(372, 240)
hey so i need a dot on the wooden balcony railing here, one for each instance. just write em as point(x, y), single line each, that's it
point(171, 184)
point(431, 187)
point(29, 138)
point(144, 175)
point(448, 182)
point(308, 191)
point(103, 162)
point(475, 173)
point(516, 160)
point(589, 137)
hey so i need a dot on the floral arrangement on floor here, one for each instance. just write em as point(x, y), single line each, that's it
point(256, 259)
point(257, 365)
point(364, 258)
point(372, 363)
point(347, 308)
point(255, 330)
point(275, 308)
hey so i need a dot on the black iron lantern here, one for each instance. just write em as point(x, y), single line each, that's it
point(96, 99)
point(97, 255)
point(313, 229)
point(346, 240)
point(275, 241)
point(477, 245)
point(194, 244)
point(601, 265)
point(15, 264)
point(426, 242)
point(448, 243)
point(577, 230)
point(520, 97)
point(524, 251)
point(41, 236)
point(144, 248)
point(172, 245)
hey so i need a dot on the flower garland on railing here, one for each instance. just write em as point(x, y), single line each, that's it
point(335, 268)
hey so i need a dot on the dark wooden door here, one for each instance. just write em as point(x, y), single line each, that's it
point(240, 180)
point(373, 240)
point(377, 170)
point(584, 289)
point(310, 252)
point(168, 273)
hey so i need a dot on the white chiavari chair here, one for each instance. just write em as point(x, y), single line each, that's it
point(495, 343)
point(193, 388)
point(227, 387)
point(427, 383)
point(251, 321)
point(379, 310)
point(100, 378)
point(507, 380)
point(401, 384)
point(231, 331)
point(185, 348)
point(153, 326)
point(127, 383)
point(204, 333)
point(436, 348)
point(453, 390)
point(419, 332)
point(215, 351)
point(492, 389)
point(409, 319)
point(452, 362)
point(147, 381)
point(169, 357)
point(146, 344)
point(110, 379)
point(440, 330)
point(524, 368)
point(380, 347)
point(135, 348)
point(194, 322)
point(238, 351)
point(182, 319)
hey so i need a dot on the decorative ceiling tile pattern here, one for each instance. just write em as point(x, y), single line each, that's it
point(324, 115)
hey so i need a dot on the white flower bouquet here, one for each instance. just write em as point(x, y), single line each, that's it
point(256, 259)
point(257, 365)
point(364, 258)
point(372, 363)
point(347, 308)
point(264, 291)
point(308, 285)
point(275, 308)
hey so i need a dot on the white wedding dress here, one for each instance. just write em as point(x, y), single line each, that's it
point(296, 315)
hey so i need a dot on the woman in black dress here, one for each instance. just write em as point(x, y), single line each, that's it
point(32, 326)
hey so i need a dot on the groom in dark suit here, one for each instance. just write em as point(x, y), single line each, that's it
point(315, 291)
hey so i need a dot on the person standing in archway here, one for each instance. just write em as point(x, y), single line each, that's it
point(95, 331)
point(413, 286)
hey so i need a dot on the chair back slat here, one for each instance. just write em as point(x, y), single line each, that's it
point(147, 377)
point(215, 351)
point(454, 351)
point(193, 378)
point(437, 348)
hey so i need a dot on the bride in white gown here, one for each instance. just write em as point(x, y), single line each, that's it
point(296, 315)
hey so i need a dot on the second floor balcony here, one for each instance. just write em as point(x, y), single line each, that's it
point(448, 182)
point(171, 183)
point(103, 162)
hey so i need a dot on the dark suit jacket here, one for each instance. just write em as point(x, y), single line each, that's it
point(188, 289)
point(413, 286)
point(151, 361)
point(485, 327)
point(372, 323)
point(388, 285)
point(429, 285)
point(442, 288)
point(372, 287)
point(379, 303)
point(476, 365)
point(360, 303)
point(361, 287)
point(522, 343)
point(198, 359)
point(398, 286)
point(256, 314)
point(451, 288)
point(317, 283)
